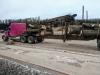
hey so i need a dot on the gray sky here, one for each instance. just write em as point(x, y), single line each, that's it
point(14, 9)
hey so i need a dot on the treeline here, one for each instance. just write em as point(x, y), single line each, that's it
point(94, 21)
point(5, 23)
point(27, 20)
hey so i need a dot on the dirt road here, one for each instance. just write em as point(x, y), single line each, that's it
point(59, 45)
point(72, 57)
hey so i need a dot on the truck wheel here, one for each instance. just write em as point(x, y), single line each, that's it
point(98, 44)
point(31, 39)
point(23, 39)
point(40, 39)
point(5, 38)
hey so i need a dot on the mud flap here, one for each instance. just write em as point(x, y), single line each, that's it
point(98, 44)
point(5, 38)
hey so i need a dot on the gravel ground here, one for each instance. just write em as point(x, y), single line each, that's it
point(59, 45)
point(9, 66)
point(73, 57)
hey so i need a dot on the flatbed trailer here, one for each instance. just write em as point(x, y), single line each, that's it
point(68, 29)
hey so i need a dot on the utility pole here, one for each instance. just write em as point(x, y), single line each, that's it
point(83, 12)
point(86, 15)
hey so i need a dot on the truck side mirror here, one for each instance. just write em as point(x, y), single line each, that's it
point(9, 28)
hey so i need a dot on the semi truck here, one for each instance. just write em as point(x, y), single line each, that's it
point(63, 27)
point(28, 33)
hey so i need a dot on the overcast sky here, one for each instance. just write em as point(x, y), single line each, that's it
point(14, 9)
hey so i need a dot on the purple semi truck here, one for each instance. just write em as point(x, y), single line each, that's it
point(22, 30)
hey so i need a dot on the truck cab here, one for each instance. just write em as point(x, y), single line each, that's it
point(24, 31)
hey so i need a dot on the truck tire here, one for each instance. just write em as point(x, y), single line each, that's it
point(5, 38)
point(40, 39)
point(98, 44)
point(23, 39)
point(31, 39)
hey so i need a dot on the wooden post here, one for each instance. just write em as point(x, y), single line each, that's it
point(65, 34)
